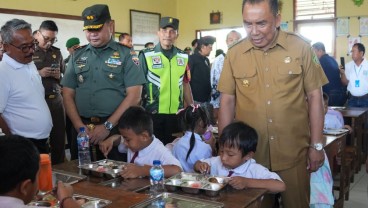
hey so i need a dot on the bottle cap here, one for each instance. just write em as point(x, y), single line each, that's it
point(156, 162)
point(81, 128)
point(44, 159)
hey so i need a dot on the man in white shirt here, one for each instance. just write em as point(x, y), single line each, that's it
point(355, 76)
point(23, 109)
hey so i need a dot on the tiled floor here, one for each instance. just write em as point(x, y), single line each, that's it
point(358, 191)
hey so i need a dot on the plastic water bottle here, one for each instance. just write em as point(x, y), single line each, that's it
point(1, 132)
point(83, 147)
point(157, 177)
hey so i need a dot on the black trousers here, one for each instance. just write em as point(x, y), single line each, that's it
point(164, 125)
point(96, 154)
point(57, 134)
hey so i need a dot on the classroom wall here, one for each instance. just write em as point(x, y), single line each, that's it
point(193, 14)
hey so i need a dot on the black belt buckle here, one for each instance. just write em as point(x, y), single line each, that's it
point(95, 119)
point(50, 96)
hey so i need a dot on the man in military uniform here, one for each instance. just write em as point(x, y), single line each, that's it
point(50, 65)
point(71, 45)
point(272, 80)
point(101, 81)
point(168, 76)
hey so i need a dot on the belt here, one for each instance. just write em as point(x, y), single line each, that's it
point(94, 119)
point(51, 96)
point(363, 96)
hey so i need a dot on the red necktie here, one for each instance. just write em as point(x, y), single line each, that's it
point(134, 156)
point(230, 173)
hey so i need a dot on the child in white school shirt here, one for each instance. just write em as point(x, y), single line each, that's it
point(192, 146)
point(137, 139)
point(238, 143)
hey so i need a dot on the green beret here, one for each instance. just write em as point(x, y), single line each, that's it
point(72, 42)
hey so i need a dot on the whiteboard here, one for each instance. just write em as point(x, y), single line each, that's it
point(67, 28)
point(144, 26)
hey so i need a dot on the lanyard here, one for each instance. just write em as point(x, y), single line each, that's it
point(357, 74)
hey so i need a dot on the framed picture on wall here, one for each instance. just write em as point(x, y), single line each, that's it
point(144, 26)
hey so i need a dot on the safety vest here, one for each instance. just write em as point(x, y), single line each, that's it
point(164, 89)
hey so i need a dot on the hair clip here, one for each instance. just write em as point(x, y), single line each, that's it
point(195, 107)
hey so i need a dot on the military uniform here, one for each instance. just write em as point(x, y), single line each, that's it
point(270, 89)
point(163, 93)
point(100, 77)
point(54, 100)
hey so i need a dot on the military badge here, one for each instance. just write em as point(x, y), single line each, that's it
point(156, 60)
point(54, 56)
point(180, 61)
point(245, 83)
point(111, 76)
point(287, 59)
point(82, 61)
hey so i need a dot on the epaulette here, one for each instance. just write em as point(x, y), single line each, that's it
point(80, 47)
point(299, 36)
point(55, 48)
point(124, 45)
point(236, 43)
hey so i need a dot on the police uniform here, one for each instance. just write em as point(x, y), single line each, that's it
point(270, 89)
point(163, 94)
point(54, 100)
point(100, 77)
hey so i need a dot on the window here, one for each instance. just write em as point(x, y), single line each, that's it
point(314, 9)
point(220, 35)
point(316, 17)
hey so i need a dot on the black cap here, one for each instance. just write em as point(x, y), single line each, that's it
point(206, 40)
point(95, 16)
point(169, 22)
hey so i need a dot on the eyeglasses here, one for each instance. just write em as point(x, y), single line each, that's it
point(48, 39)
point(25, 48)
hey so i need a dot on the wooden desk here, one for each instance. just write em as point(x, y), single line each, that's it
point(122, 196)
point(335, 145)
point(356, 116)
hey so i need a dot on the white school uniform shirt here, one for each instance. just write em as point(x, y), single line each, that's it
point(333, 120)
point(201, 150)
point(12, 202)
point(22, 99)
point(249, 169)
point(155, 151)
point(354, 73)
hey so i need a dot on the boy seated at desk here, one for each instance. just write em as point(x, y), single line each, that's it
point(20, 162)
point(333, 118)
point(238, 143)
point(137, 139)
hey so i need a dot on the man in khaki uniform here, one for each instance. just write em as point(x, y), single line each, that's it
point(272, 81)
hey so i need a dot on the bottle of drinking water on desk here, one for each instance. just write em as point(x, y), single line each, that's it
point(83, 147)
point(157, 178)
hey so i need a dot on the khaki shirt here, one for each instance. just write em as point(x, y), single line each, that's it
point(46, 59)
point(270, 89)
point(100, 77)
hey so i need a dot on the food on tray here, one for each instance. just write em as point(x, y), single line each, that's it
point(101, 168)
point(213, 180)
point(195, 185)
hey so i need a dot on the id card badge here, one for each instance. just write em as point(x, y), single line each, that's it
point(357, 83)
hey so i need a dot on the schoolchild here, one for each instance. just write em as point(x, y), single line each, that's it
point(142, 147)
point(192, 146)
point(238, 143)
point(19, 176)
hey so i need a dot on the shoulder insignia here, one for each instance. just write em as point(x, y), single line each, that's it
point(236, 43)
point(80, 47)
point(299, 36)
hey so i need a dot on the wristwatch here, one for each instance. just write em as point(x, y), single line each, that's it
point(317, 146)
point(108, 125)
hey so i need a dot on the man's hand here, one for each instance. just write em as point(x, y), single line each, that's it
point(98, 134)
point(315, 159)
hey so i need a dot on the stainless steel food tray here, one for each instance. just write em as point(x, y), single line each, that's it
point(90, 202)
point(66, 177)
point(103, 168)
point(194, 183)
point(165, 199)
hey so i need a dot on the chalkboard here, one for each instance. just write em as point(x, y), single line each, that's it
point(69, 26)
point(144, 26)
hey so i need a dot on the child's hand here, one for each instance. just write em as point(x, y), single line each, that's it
point(64, 190)
point(238, 182)
point(106, 146)
point(131, 171)
point(202, 167)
